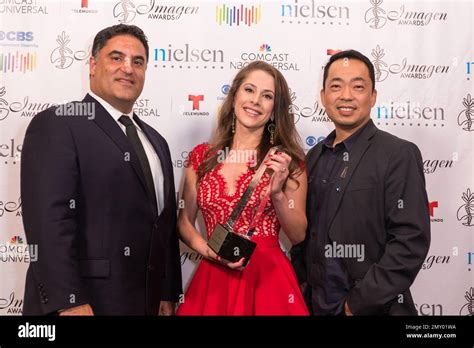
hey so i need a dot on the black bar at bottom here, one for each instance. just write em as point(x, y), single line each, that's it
point(452, 330)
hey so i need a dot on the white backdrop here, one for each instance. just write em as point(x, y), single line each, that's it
point(424, 59)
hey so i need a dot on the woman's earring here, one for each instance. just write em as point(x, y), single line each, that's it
point(271, 128)
point(233, 122)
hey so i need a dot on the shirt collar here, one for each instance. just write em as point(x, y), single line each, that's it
point(110, 109)
point(349, 142)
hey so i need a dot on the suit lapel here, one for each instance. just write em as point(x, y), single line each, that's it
point(161, 152)
point(106, 122)
point(344, 177)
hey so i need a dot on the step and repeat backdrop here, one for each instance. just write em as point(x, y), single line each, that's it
point(423, 55)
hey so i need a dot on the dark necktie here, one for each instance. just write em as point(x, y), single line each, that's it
point(137, 145)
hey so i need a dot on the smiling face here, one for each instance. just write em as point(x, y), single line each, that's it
point(253, 103)
point(117, 74)
point(347, 94)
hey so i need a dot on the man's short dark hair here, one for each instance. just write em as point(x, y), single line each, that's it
point(106, 34)
point(350, 54)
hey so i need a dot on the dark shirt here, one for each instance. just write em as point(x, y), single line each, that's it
point(330, 283)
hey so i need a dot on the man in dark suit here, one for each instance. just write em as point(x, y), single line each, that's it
point(367, 207)
point(98, 196)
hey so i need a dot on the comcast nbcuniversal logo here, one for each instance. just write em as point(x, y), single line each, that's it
point(376, 16)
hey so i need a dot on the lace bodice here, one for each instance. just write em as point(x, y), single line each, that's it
point(216, 204)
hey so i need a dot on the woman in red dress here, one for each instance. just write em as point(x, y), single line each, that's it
point(254, 117)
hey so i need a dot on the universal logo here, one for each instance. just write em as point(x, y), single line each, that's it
point(62, 56)
point(466, 116)
point(23, 7)
point(376, 17)
point(16, 251)
point(404, 70)
point(125, 11)
point(465, 212)
point(143, 108)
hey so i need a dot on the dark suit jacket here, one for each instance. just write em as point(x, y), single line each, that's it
point(86, 206)
point(382, 204)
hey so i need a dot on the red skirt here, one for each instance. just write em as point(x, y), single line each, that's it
point(267, 286)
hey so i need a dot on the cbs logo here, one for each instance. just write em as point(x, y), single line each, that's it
point(311, 140)
point(16, 35)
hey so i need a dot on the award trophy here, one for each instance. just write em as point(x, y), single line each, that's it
point(232, 246)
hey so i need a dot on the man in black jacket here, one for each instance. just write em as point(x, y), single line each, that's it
point(367, 207)
point(98, 196)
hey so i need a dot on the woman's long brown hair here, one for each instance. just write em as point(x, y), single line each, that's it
point(285, 134)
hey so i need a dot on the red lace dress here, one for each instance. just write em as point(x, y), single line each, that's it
point(267, 285)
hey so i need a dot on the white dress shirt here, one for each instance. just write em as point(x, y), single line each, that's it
point(153, 159)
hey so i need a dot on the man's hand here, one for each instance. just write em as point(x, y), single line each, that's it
point(209, 254)
point(84, 309)
point(167, 308)
point(347, 310)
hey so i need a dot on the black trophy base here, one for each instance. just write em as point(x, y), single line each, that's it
point(231, 246)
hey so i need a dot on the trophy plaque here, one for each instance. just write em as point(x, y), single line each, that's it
point(232, 246)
